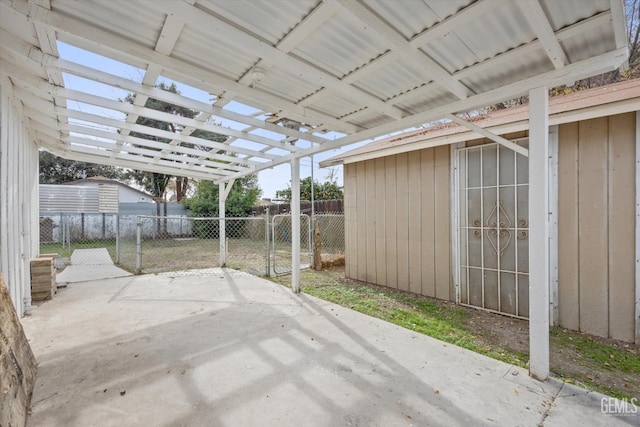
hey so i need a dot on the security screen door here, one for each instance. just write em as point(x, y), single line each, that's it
point(493, 229)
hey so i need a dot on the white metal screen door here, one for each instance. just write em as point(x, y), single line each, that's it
point(493, 229)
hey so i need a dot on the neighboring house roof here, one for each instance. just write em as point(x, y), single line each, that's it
point(602, 101)
point(105, 180)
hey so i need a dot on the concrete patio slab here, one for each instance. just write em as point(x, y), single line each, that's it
point(223, 348)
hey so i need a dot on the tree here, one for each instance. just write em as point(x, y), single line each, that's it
point(153, 182)
point(243, 195)
point(329, 190)
point(56, 170)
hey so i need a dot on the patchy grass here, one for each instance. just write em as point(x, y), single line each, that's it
point(605, 366)
point(609, 366)
point(58, 248)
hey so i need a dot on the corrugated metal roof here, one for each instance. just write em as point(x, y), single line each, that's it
point(361, 68)
point(590, 103)
point(77, 198)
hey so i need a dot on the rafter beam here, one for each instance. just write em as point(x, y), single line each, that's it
point(314, 20)
point(405, 49)
point(104, 121)
point(128, 161)
point(577, 70)
point(539, 22)
point(203, 157)
point(173, 98)
point(264, 50)
point(487, 134)
point(566, 33)
point(126, 108)
point(148, 155)
point(108, 44)
point(167, 39)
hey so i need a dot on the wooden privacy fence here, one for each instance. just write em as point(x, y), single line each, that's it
point(329, 206)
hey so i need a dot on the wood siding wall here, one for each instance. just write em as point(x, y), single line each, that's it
point(596, 226)
point(395, 236)
point(19, 238)
point(397, 212)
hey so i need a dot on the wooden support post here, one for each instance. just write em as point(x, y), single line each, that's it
point(223, 192)
point(317, 250)
point(295, 225)
point(637, 311)
point(539, 234)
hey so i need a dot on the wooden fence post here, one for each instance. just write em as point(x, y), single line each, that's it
point(317, 252)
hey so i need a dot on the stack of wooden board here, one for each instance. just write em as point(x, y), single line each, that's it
point(43, 278)
point(17, 365)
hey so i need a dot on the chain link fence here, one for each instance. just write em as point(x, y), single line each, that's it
point(151, 244)
point(329, 239)
point(63, 233)
point(281, 240)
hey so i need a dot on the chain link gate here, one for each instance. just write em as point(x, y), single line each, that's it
point(281, 243)
point(183, 243)
point(152, 244)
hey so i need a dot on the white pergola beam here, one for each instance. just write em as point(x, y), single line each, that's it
point(434, 70)
point(173, 98)
point(474, 11)
point(263, 50)
point(314, 20)
point(589, 67)
point(223, 192)
point(127, 108)
point(149, 148)
point(88, 146)
point(469, 13)
point(539, 282)
point(167, 39)
point(539, 22)
point(92, 38)
point(492, 136)
point(169, 35)
point(105, 121)
point(590, 24)
point(295, 225)
point(618, 15)
point(637, 232)
point(122, 160)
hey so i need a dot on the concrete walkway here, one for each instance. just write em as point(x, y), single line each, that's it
point(90, 264)
point(223, 348)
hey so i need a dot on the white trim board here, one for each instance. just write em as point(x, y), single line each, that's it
point(637, 312)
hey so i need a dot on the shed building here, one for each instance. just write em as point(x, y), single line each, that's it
point(443, 212)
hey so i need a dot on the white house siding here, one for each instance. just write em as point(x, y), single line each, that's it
point(18, 199)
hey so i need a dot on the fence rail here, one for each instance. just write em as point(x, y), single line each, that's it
point(148, 244)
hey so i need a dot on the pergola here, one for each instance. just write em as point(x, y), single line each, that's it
point(288, 79)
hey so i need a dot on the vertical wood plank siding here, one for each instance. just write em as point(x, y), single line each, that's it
point(593, 225)
point(399, 236)
point(568, 253)
point(596, 226)
point(399, 226)
point(621, 222)
point(18, 199)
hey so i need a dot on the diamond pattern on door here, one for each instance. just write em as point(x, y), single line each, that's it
point(493, 229)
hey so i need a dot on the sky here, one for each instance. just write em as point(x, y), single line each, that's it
point(270, 180)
